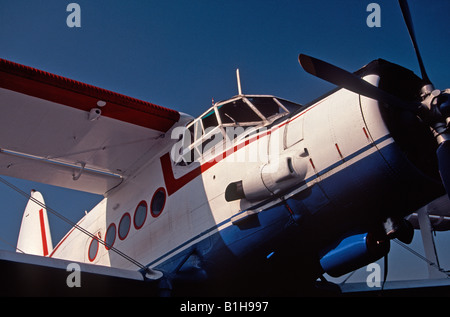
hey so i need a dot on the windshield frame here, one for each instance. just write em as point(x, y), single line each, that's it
point(199, 135)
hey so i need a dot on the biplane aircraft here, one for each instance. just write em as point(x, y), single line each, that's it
point(259, 195)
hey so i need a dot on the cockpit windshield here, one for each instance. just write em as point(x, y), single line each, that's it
point(268, 107)
point(240, 113)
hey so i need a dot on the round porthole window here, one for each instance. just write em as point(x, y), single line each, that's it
point(110, 236)
point(93, 249)
point(158, 202)
point(140, 214)
point(124, 226)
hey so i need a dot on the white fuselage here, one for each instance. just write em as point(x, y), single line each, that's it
point(316, 153)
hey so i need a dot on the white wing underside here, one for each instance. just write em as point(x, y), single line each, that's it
point(43, 138)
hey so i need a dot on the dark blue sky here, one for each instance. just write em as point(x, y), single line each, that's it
point(180, 54)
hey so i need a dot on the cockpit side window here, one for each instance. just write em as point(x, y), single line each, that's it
point(199, 137)
point(210, 120)
point(198, 129)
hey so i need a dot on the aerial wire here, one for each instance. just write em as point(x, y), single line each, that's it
point(73, 224)
point(430, 263)
point(10, 244)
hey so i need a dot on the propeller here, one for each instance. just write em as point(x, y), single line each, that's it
point(434, 109)
point(439, 121)
point(408, 21)
point(350, 81)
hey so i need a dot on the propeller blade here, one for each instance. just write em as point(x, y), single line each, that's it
point(407, 17)
point(350, 81)
point(443, 155)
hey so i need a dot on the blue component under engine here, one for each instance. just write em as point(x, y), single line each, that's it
point(352, 253)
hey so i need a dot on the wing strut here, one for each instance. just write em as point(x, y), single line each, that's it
point(428, 243)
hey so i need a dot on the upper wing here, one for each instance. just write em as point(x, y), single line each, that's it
point(66, 133)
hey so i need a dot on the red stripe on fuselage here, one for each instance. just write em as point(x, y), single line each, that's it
point(174, 184)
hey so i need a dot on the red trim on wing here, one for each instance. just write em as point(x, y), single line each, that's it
point(44, 85)
point(43, 233)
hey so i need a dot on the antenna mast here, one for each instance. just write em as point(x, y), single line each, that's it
point(238, 82)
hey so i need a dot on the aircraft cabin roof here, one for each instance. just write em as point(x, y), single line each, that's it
point(243, 112)
point(246, 110)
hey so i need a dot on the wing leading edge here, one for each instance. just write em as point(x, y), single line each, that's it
point(66, 133)
point(72, 93)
